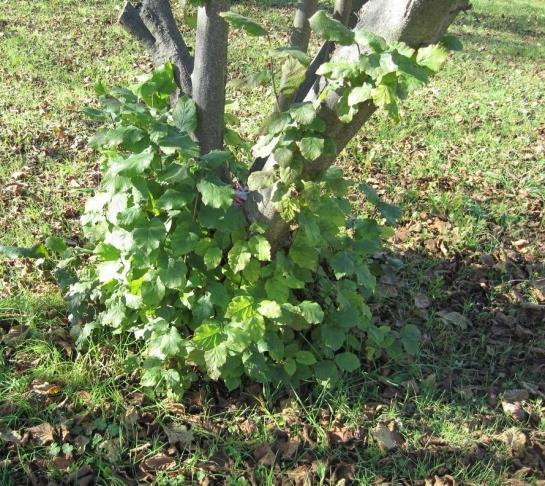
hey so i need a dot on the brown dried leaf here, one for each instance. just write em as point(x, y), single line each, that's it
point(516, 440)
point(43, 433)
point(264, 455)
point(178, 434)
point(45, 388)
point(339, 435)
point(421, 301)
point(287, 448)
point(455, 318)
point(386, 439)
point(514, 410)
point(15, 335)
point(10, 436)
point(83, 477)
point(517, 395)
point(159, 462)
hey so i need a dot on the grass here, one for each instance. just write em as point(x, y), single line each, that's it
point(465, 164)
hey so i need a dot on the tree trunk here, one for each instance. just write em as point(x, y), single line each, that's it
point(416, 22)
point(209, 74)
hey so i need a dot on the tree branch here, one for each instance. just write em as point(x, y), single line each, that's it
point(345, 11)
point(155, 27)
point(416, 22)
point(131, 21)
point(299, 39)
point(209, 74)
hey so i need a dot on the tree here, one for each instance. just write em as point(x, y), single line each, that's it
point(272, 284)
point(417, 23)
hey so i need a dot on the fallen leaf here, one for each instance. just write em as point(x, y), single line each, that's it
point(10, 436)
point(517, 395)
point(83, 477)
point(159, 462)
point(300, 476)
point(339, 435)
point(15, 335)
point(386, 439)
point(45, 389)
point(455, 318)
point(43, 433)
point(287, 448)
point(344, 471)
point(178, 434)
point(264, 455)
point(421, 301)
point(514, 410)
point(248, 428)
point(61, 462)
point(516, 440)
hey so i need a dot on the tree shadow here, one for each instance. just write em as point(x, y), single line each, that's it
point(480, 339)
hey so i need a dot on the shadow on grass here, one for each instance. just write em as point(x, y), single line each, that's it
point(442, 412)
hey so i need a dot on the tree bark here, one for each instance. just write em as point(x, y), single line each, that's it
point(153, 24)
point(209, 74)
point(416, 22)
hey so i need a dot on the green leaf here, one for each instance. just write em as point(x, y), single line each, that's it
point(366, 39)
point(215, 195)
point(260, 248)
point(260, 179)
point(174, 276)
point(157, 88)
point(304, 255)
point(153, 291)
point(293, 74)
point(166, 345)
point(333, 337)
point(150, 236)
point(208, 335)
point(270, 309)
point(311, 312)
point(277, 290)
point(278, 122)
point(215, 358)
point(184, 115)
point(212, 257)
point(240, 22)
point(36, 251)
point(239, 256)
point(347, 361)
point(216, 158)
point(326, 371)
point(240, 308)
point(290, 367)
point(107, 252)
point(342, 264)
point(359, 94)
point(301, 56)
point(432, 56)
point(303, 113)
point(305, 358)
point(331, 29)
point(133, 165)
point(410, 338)
point(283, 156)
point(382, 96)
point(173, 199)
point(311, 147)
point(254, 327)
point(452, 43)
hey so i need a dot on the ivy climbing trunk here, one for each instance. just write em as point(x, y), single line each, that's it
point(415, 22)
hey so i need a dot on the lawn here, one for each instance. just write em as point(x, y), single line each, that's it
point(467, 166)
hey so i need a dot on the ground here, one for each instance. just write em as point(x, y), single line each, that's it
point(466, 164)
